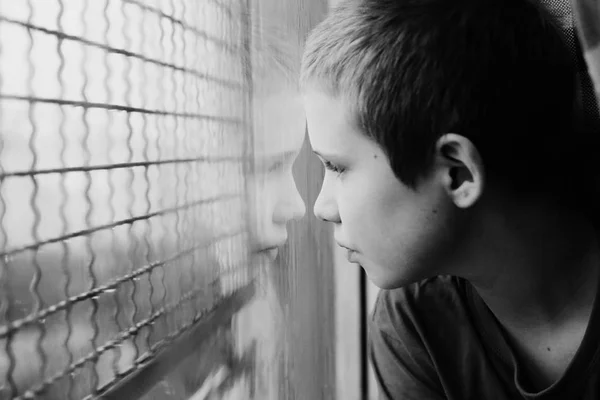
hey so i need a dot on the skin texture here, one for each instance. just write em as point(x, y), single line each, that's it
point(389, 229)
point(539, 283)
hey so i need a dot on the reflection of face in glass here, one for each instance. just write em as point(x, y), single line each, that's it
point(279, 127)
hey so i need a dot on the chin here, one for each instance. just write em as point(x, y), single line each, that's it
point(387, 282)
point(384, 284)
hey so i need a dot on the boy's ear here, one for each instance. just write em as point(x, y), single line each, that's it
point(462, 169)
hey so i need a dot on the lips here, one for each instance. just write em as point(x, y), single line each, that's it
point(352, 256)
point(272, 253)
point(268, 244)
point(269, 250)
point(344, 246)
point(269, 253)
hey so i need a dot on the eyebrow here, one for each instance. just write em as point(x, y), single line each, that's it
point(326, 156)
point(283, 156)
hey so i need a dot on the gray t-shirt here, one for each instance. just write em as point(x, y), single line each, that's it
point(437, 339)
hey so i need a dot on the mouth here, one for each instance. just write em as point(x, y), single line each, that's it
point(269, 252)
point(352, 256)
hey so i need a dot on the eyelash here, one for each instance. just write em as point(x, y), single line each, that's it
point(277, 166)
point(334, 168)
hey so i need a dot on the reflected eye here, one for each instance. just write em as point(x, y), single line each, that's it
point(272, 165)
point(276, 166)
point(334, 168)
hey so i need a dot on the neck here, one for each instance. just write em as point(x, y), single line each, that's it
point(536, 268)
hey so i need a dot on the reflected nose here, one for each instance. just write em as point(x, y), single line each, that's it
point(291, 207)
point(325, 207)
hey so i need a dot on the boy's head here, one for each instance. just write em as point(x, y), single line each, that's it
point(422, 102)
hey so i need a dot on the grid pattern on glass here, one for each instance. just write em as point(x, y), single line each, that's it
point(123, 140)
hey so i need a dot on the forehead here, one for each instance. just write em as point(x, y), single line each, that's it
point(279, 123)
point(330, 124)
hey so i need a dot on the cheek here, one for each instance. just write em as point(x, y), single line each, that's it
point(364, 222)
point(401, 236)
point(259, 204)
point(421, 244)
point(266, 195)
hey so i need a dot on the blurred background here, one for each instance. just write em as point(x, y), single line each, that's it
point(131, 133)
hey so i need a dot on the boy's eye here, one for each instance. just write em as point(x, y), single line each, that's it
point(332, 167)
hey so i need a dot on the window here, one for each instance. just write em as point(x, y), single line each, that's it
point(127, 161)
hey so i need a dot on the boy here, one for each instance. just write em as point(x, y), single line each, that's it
point(457, 176)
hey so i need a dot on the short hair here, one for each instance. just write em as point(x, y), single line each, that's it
point(498, 72)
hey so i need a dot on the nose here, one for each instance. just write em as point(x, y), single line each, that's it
point(325, 206)
point(291, 206)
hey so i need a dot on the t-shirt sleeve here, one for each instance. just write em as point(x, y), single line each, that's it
point(401, 363)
